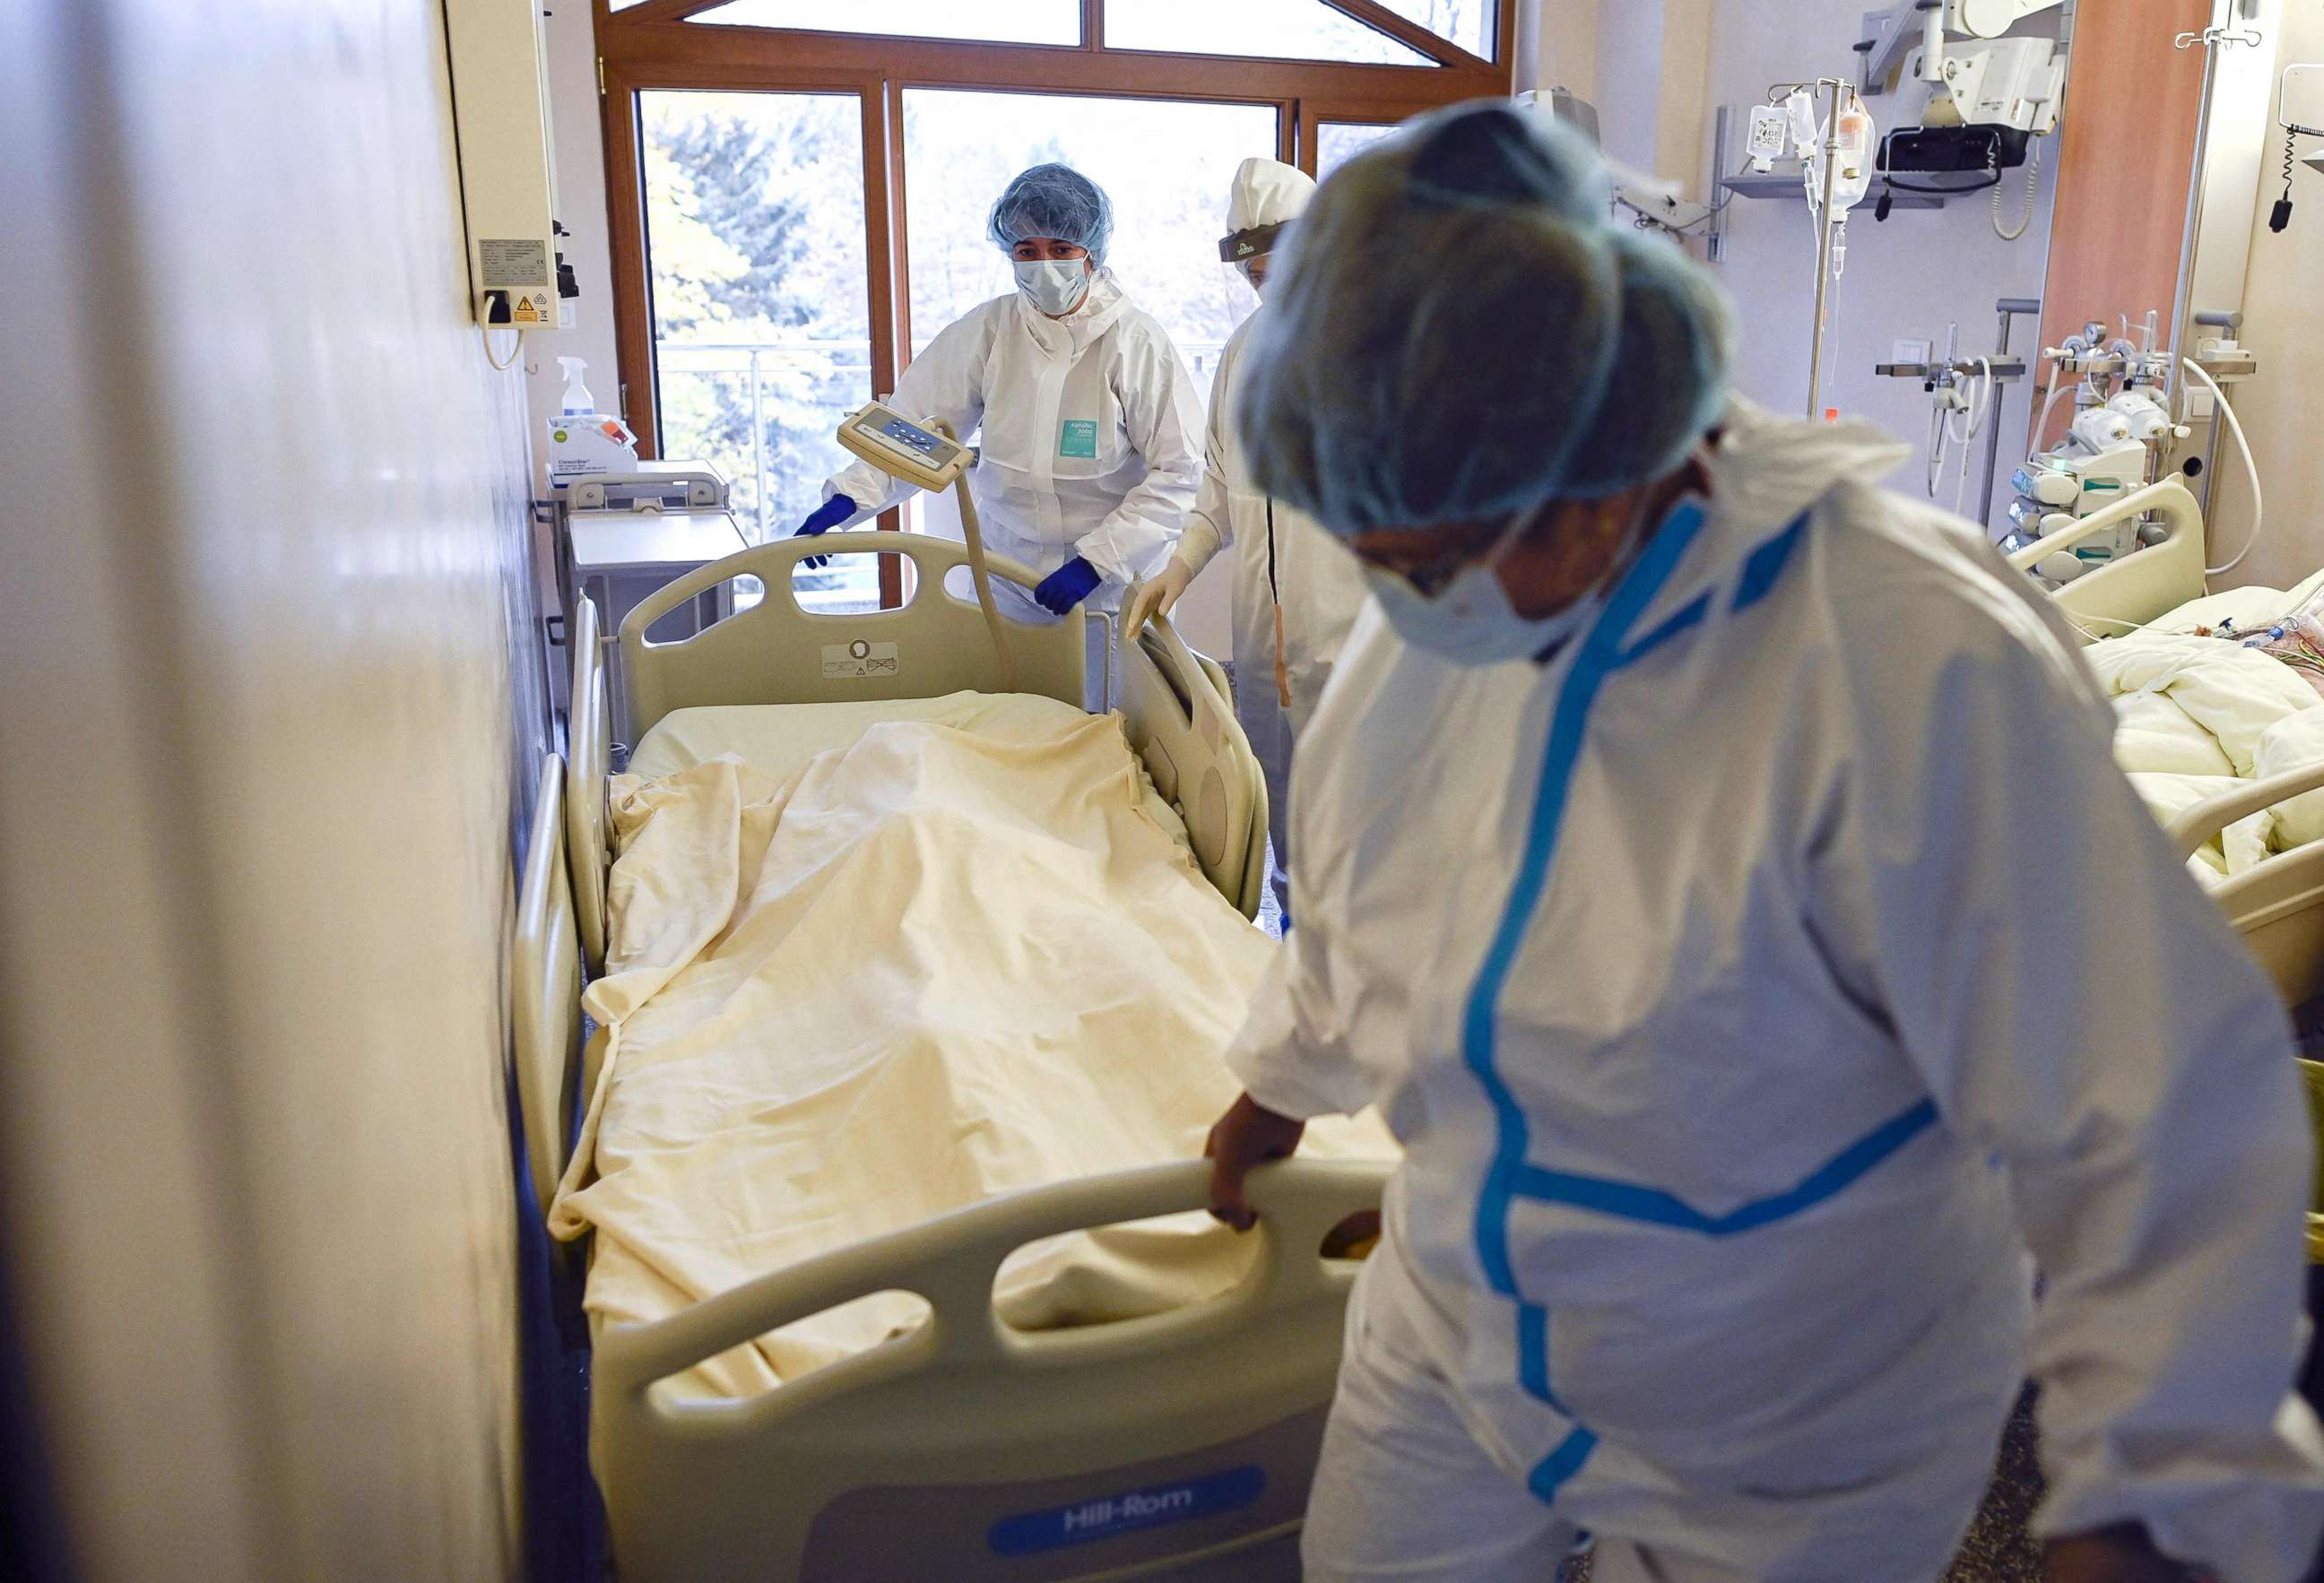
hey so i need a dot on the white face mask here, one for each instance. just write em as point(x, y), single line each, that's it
point(1053, 285)
point(1470, 620)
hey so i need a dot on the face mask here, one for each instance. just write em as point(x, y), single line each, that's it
point(1053, 285)
point(1470, 621)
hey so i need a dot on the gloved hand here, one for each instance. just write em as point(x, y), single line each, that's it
point(1068, 586)
point(1155, 596)
point(823, 520)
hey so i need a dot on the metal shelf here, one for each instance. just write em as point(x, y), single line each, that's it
point(1781, 185)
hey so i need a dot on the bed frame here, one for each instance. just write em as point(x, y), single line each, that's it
point(1178, 1445)
point(2277, 905)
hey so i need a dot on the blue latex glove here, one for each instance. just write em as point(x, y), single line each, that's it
point(1068, 586)
point(823, 520)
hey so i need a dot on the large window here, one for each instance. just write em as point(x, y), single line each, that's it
point(1168, 214)
point(1020, 22)
point(800, 187)
point(761, 322)
point(1283, 30)
point(1338, 142)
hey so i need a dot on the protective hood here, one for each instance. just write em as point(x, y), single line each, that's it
point(1267, 195)
point(1765, 468)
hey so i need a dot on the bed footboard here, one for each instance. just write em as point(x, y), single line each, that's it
point(780, 652)
point(969, 1451)
point(2278, 904)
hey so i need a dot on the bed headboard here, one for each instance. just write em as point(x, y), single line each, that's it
point(780, 653)
point(545, 989)
point(588, 749)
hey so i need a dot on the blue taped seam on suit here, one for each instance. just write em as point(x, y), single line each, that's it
point(1634, 1201)
point(1597, 658)
point(1510, 1174)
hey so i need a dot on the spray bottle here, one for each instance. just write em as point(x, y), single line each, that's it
point(584, 442)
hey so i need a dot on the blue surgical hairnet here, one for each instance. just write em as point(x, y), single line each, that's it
point(1056, 201)
point(1457, 330)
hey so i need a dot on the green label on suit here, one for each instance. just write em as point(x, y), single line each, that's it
point(1078, 438)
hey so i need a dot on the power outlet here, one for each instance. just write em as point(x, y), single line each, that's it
point(1909, 351)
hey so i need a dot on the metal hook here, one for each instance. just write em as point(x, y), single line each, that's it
point(2211, 36)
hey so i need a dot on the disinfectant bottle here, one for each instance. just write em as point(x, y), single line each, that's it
point(577, 398)
point(583, 442)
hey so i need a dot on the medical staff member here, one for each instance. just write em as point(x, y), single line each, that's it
point(1295, 594)
point(1714, 868)
point(1086, 424)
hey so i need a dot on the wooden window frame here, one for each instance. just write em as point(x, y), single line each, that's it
point(653, 46)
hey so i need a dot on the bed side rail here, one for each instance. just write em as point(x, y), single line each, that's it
point(964, 1403)
point(780, 652)
point(545, 989)
point(588, 761)
point(2114, 598)
point(2199, 821)
point(1182, 725)
point(2276, 905)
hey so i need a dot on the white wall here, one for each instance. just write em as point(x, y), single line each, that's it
point(272, 692)
point(2284, 320)
point(578, 136)
point(1906, 277)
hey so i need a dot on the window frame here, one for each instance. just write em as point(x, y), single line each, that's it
point(653, 46)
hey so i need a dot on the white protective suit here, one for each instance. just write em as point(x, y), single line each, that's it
point(1089, 428)
point(1752, 985)
point(1295, 594)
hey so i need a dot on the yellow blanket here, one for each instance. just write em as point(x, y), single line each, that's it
point(918, 972)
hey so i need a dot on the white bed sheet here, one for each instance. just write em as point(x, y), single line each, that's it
point(952, 957)
point(2196, 716)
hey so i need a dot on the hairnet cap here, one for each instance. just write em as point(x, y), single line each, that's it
point(1456, 330)
point(1056, 201)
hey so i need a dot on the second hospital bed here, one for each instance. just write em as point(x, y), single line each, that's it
point(1176, 1443)
point(2156, 595)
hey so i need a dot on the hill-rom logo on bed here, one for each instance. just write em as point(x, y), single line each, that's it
point(859, 660)
point(1031, 1533)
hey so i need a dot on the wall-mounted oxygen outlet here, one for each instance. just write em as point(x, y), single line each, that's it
point(500, 114)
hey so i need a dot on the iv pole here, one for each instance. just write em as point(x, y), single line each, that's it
point(1838, 91)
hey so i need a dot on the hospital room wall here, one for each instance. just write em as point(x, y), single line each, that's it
point(2284, 320)
point(271, 698)
point(1906, 277)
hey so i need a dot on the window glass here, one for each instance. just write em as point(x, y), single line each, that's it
point(1338, 142)
point(960, 148)
point(1007, 21)
point(754, 244)
point(1466, 22)
point(1281, 30)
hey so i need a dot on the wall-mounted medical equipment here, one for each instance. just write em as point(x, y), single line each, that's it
point(1966, 392)
point(1652, 201)
point(1973, 105)
point(2300, 111)
point(2120, 435)
point(508, 178)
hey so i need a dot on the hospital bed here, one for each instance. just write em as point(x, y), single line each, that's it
point(1178, 1444)
point(2278, 904)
